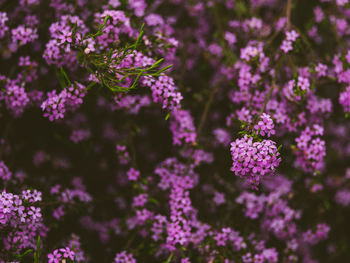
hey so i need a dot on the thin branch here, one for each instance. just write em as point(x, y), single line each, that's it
point(207, 108)
point(263, 108)
point(267, 98)
point(307, 42)
point(289, 12)
point(217, 19)
point(4, 137)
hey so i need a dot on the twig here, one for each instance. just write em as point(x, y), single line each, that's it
point(289, 12)
point(307, 42)
point(217, 20)
point(132, 147)
point(267, 98)
point(4, 137)
point(183, 58)
point(207, 108)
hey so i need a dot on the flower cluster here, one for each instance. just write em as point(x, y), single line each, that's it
point(59, 255)
point(132, 104)
point(23, 35)
point(164, 91)
point(182, 126)
point(58, 49)
point(231, 236)
point(69, 99)
point(3, 27)
point(123, 154)
point(311, 149)
point(21, 219)
point(342, 197)
point(124, 257)
point(344, 99)
point(15, 97)
point(254, 160)
point(265, 126)
point(80, 135)
point(321, 233)
point(5, 173)
point(287, 44)
point(124, 114)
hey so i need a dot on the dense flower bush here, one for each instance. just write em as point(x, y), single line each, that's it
point(174, 131)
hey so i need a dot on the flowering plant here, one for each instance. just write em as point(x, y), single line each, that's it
point(174, 131)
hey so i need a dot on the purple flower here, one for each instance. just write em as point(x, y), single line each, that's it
point(303, 83)
point(182, 127)
point(54, 257)
point(286, 46)
point(254, 160)
point(292, 35)
point(133, 174)
point(5, 173)
point(344, 99)
point(35, 213)
point(67, 253)
point(124, 257)
point(265, 126)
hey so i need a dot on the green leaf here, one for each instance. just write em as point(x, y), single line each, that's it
point(279, 148)
point(38, 243)
point(60, 79)
point(118, 88)
point(100, 29)
point(241, 8)
point(152, 200)
point(139, 38)
point(65, 76)
point(135, 81)
point(38, 251)
point(91, 84)
point(74, 32)
point(161, 70)
point(109, 57)
point(167, 116)
point(155, 64)
point(327, 205)
point(169, 258)
point(25, 253)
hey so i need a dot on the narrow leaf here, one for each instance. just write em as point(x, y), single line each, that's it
point(64, 74)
